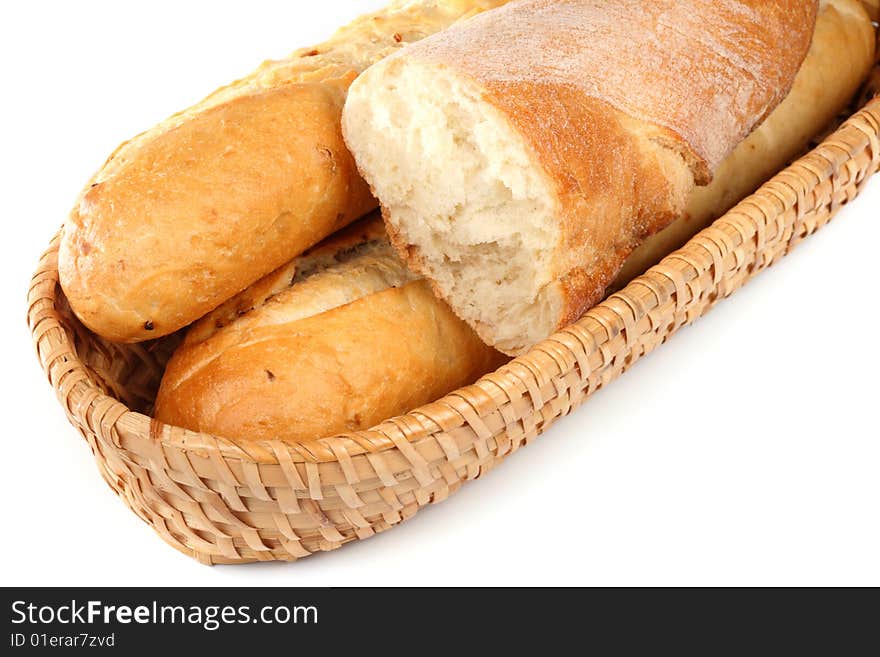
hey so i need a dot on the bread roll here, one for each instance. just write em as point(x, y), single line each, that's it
point(839, 59)
point(191, 212)
point(338, 340)
point(522, 155)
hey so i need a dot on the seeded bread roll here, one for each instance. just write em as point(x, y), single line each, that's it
point(522, 155)
point(340, 339)
point(189, 213)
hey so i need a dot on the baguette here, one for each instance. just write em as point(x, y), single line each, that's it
point(839, 59)
point(339, 339)
point(189, 213)
point(521, 156)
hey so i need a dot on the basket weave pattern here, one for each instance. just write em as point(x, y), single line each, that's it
point(227, 501)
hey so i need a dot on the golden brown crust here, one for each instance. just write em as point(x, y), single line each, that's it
point(344, 370)
point(840, 57)
point(872, 7)
point(623, 105)
point(189, 213)
point(697, 76)
point(152, 245)
point(278, 371)
point(368, 229)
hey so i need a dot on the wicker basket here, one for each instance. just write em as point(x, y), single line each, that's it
point(227, 501)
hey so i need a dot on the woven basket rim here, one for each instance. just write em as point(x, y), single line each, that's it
point(85, 398)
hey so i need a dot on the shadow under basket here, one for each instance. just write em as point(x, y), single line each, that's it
point(234, 501)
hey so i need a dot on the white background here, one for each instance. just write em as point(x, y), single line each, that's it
point(745, 451)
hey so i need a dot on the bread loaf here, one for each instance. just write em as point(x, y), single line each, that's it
point(839, 59)
point(522, 155)
point(339, 339)
point(191, 212)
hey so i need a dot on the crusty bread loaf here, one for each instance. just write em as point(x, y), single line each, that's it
point(191, 212)
point(522, 155)
point(340, 339)
point(839, 59)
